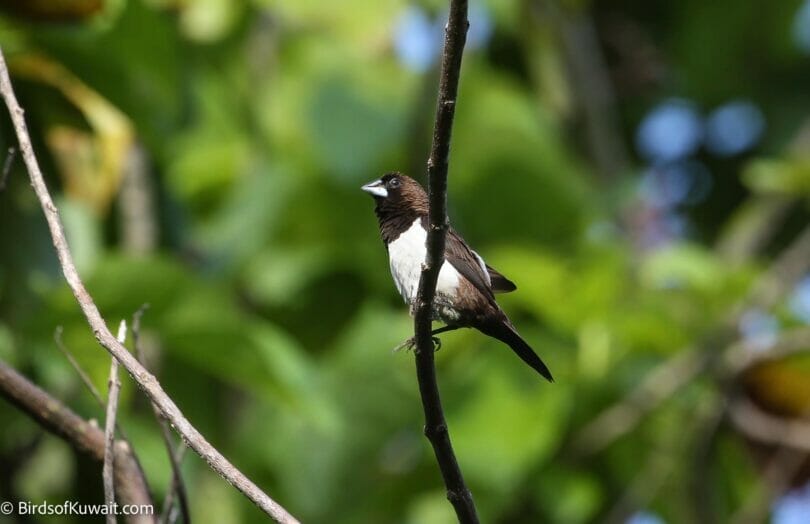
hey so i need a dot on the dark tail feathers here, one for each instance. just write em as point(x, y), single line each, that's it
point(504, 332)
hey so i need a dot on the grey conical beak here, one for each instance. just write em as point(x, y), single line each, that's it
point(376, 188)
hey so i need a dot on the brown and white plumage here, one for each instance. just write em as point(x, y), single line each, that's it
point(466, 287)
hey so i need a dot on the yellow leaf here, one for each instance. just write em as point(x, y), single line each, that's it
point(92, 164)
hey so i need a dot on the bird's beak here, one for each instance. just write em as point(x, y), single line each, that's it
point(376, 188)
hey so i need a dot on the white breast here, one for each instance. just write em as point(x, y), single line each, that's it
point(406, 255)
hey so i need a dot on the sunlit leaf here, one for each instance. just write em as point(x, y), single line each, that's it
point(92, 164)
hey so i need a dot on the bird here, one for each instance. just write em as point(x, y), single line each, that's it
point(466, 286)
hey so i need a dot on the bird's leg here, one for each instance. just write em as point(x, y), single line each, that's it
point(411, 342)
point(436, 340)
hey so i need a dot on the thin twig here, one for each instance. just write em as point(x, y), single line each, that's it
point(435, 424)
point(704, 448)
point(136, 206)
point(770, 429)
point(108, 471)
point(169, 512)
point(85, 378)
point(57, 338)
point(651, 475)
point(745, 354)
point(177, 485)
point(658, 385)
point(145, 380)
point(9, 161)
point(752, 226)
point(83, 436)
point(785, 463)
point(591, 85)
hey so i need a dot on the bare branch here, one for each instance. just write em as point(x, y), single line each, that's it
point(790, 441)
point(770, 429)
point(590, 84)
point(83, 436)
point(783, 274)
point(145, 380)
point(745, 354)
point(782, 467)
point(175, 457)
point(657, 386)
point(88, 383)
point(9, 161)
point(752, 226)
point(57, 338)
point(435, 423)
point(114, 386)
point(139, 229)
point(176, 488)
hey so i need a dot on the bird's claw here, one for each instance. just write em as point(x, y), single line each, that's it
point(410, 344)
point(406, 345)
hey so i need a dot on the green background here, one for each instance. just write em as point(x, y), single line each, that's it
point(272, 316)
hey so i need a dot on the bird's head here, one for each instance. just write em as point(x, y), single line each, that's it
point(395, 191)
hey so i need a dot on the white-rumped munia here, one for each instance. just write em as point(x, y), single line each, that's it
point(465, 291)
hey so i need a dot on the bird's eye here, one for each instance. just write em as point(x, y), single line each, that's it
point(393, 183)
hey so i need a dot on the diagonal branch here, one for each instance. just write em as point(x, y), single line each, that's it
point(57, 338)
point(435, 423)
point(145, 380)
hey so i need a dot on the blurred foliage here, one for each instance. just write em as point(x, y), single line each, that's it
point(272, 314)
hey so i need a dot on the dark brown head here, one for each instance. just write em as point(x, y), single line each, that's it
point(398, 193)
point(400, 200)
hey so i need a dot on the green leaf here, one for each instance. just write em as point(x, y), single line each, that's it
point(505, 428)
point(785, 176)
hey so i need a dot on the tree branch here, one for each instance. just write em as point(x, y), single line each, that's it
point(771, 429)
point(177, 488)
point(177, 485)
point(435, 424)
point(108, 471)
point(53, 416)
point(57, 338)
point(745, 354)
point(7, 163)
point(145, 380)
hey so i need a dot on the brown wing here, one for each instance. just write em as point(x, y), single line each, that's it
point(473, 268)
point(500, 284)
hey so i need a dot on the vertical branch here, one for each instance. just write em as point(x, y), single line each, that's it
point(137, 217)
point(108, 470)
point(145, 380)
point(435, 424)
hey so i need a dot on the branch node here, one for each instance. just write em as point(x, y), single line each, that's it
point(434, 432)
